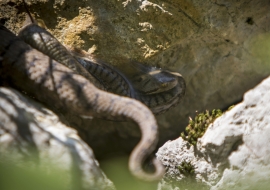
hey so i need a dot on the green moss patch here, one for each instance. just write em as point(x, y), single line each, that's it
point(197, 127)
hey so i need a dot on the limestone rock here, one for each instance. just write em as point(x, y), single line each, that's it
point(31, 133)
point(220, 47)
point(234, 151)
point(173, 154)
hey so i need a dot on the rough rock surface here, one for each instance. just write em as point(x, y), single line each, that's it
point(220, 47)
point(31, 133)
point(234, 151)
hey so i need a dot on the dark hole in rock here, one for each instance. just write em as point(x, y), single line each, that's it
point(250, 20)
point(11, 4)
point(3, 20)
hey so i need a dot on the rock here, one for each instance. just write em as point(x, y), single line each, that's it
point(220, 47)
point(31, 133)
point(234, 151)
point(173, 154)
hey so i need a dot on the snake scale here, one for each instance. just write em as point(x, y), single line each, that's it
point(64, 81)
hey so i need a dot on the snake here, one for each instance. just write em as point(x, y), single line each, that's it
point(48, 81)
point(50, 73)
point(158, 89)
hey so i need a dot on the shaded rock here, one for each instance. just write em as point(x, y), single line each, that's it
point(218, 46)
point(31, 133)
point(234, 151)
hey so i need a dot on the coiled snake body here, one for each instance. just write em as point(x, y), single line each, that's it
point(56, 76)
point(158, 89)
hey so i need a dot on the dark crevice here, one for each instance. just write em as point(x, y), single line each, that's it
point(11, 4)
point(3, 21)
point(250, 21)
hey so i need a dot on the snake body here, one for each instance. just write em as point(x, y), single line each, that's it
point(42, 40)
point(111, 79)
point(159, 91)
point(37, 74)
point(156, 88)
point(79, 84)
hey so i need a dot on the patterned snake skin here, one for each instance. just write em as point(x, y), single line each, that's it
point(156, 88)
point(31, 71)
point(52, 74)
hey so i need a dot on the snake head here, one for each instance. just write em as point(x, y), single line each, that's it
point(152, 80)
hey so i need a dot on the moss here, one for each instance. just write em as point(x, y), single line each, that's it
point(197, 127)
point(187, 169)
point(231, 107)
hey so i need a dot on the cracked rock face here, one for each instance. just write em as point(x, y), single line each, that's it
point(30, 133)
point(234, 151)
point(220, 48)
